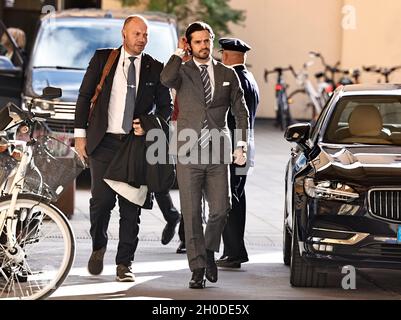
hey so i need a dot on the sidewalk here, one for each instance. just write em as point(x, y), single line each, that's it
point(163, 274)
point(264, 191)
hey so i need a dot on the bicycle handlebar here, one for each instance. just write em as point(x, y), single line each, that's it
point(28, 117)
point(318, 55)
point(370, 69)
point(279, 71)
point(333, 69)
point(381, 70)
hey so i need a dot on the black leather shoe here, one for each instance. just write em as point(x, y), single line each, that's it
point(230, 262)
point(95, 263)
point(181, 248)
point(197, 280)
point(169, 231)
point(211, 268)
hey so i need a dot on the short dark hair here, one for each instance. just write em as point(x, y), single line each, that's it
point(198, 26)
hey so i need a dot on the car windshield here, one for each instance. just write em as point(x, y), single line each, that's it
point(366, 120)
point(70, 43)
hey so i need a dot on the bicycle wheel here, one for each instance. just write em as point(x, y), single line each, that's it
point(285, 111)
point(44, 253)
point(281, 114)
point(278, 112)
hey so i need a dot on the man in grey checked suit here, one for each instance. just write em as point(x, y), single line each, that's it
point(205, 91)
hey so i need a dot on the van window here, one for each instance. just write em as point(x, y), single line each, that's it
point(71, 43)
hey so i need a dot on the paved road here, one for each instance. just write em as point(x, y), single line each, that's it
point(163, 274)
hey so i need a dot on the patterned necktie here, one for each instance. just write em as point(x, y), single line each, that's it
point(206, 84)
point(130, 97)
point(205, 133)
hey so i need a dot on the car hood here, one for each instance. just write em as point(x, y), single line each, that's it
point(359, 164)
point(68, 80)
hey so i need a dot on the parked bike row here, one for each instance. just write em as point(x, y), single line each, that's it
point(317, 93)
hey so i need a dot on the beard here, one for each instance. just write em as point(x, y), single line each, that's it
point(202, 54)
point(136, 48)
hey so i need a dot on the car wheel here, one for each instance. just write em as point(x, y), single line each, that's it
point(302, 274)
point(286, 243)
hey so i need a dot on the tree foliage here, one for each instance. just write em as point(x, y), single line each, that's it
point(127, 3)
point(217, 13)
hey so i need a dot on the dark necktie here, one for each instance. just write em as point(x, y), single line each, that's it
point(130, 97)
point(205, 133)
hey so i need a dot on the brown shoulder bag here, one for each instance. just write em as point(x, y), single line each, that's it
point(106, 70)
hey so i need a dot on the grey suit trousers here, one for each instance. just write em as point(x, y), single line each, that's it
point(195, 180)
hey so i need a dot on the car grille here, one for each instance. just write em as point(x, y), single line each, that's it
point(381, 250)
point(63, 119)
point(385, 204)
point(57, 125)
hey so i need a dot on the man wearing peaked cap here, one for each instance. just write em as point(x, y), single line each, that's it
point(234, 55)
point(233, 44)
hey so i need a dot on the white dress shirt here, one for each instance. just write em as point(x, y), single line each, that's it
point(236, 65)
point(118, 94)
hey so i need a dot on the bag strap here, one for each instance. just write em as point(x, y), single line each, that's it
point(106, 70)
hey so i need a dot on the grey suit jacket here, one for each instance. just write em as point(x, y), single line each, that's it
point(186, 80)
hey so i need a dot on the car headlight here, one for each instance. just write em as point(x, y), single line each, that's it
point(39, 105)
point(43, 106)
point(329, 190)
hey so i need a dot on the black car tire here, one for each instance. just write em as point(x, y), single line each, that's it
point(302, 274)
point(287, 237)
point(286, 246)
point(287, 240)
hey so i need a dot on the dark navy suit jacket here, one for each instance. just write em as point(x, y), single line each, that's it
point(152, 95)
point(251, 94)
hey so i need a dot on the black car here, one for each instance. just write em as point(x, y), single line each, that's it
point(343, 186)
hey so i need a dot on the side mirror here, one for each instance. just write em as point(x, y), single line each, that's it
point(6, 64)
point(50, 93)
point(299, 133)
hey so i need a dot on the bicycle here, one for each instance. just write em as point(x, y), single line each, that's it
point(283, 115)
point(383, 71)
point(307, 89)
point(349, 76)
point(37, 243)
point(326, 78)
